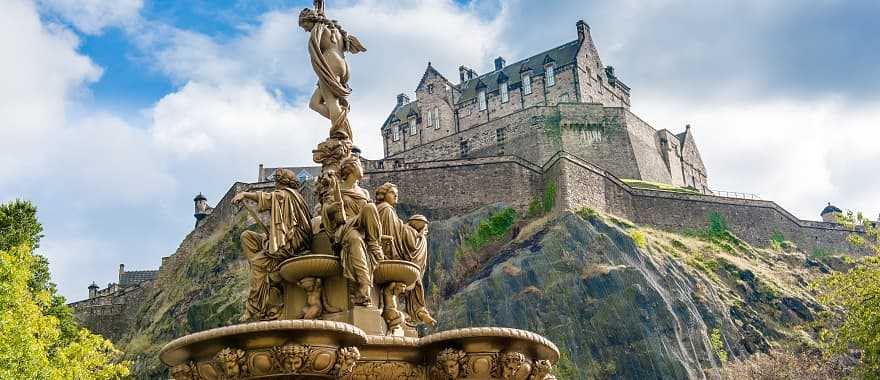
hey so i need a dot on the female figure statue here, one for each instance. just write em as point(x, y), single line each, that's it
point(328, 43)
point(406, 241)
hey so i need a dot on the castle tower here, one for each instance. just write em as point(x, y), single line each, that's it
point(830, 213)
point(93, 290)
point(201, 208)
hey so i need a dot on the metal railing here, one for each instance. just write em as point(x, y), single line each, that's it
point(734, 194)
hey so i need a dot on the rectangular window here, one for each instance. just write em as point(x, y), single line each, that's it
point(395, 133)
point(412, 127)
point(436, 118)
point(527, 84)
point(550, 75)
point(463, 148)
point(481, 98)
point(563, 98)
point(429, 118)
point(504, 95)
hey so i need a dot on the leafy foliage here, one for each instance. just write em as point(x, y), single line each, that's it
point(718, 345)
point(492, 228)
point(38, 336)
point(857, 294)
point(718, 233)
point(550, 197)
point(638, 238)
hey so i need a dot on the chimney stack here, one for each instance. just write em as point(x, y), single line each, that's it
point(402, 99)
point(499, 63)
point(583, 29)
point(465, 73)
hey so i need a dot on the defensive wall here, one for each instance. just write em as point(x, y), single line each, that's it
point(111, 314)
point(580, 184)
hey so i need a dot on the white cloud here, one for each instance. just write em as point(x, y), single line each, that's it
point(92, 16)
point(799, 154)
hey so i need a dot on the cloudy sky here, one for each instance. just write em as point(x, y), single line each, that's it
point(115, 113)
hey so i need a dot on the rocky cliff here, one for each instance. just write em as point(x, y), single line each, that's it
point(620, 301)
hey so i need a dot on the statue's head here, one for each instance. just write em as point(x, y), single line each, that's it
point(351, 166)
point(284, 178)
point(449, 361)
point(387, 193)
point(308, 18)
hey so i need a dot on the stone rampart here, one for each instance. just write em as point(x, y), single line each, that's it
point(441, 189)
point(581, 184)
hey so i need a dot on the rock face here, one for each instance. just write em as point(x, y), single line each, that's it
point(619, 301)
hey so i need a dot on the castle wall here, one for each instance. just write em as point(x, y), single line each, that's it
point(111, 315)
point(598, 135)
point(646, 150)
point(592, 80)
point(524, 137)
point(434, 93)
point(670, 150)
point(582, 184)
point(447, 188)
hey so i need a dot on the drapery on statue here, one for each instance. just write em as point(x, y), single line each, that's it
point(288, 232)
point(405, 241)
point(328, 43)
point(356, 228)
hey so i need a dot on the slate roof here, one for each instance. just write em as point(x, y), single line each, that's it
point(402, 112)
point(560, 56)
point(267, 173)
point(136, 277)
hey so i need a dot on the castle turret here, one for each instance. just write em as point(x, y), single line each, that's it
point(830, 213)
point(93, 290)
point(201, 208)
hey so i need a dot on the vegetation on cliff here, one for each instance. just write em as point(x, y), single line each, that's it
point(38, 335)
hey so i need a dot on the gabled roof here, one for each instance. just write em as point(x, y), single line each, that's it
point(402, 112)
point(430, 70)
point(560, 56)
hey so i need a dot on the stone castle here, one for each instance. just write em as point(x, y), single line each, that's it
point(557, 124)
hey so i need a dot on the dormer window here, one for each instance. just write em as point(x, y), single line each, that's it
point(502, 88)
point(395, 133)
point(481, 99)
point(527, 84)
point(550, 75)
point(412, 127)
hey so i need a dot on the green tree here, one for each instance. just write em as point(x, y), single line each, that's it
point(856, 294)
point(39, 338)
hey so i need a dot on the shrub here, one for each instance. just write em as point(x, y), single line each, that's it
point(550, 197)
point(492, 228)
point(718, 345)
point(777, 240)
point(536, 208)
point(638, 238)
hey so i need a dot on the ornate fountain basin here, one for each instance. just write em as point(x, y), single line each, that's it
point(311, 265)
point(396, 271)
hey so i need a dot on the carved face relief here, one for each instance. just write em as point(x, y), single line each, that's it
point(230, 361)
point(511, 364)
point(449, 361)
point(347, 358)
point(291, 356)
point(541, 371)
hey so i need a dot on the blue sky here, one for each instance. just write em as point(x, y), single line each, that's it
point(116, 113)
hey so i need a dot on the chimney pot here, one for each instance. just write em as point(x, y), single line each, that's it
point(499, 63)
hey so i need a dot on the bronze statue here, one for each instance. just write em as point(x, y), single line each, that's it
point(288, 232)
point(328, 43)
point(358, 230)
point(405, 241)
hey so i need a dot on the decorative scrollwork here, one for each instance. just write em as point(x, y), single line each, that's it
point(346, 359)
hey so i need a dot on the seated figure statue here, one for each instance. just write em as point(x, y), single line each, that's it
point(406, 241)
point(356, 229)
point(288, 232)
